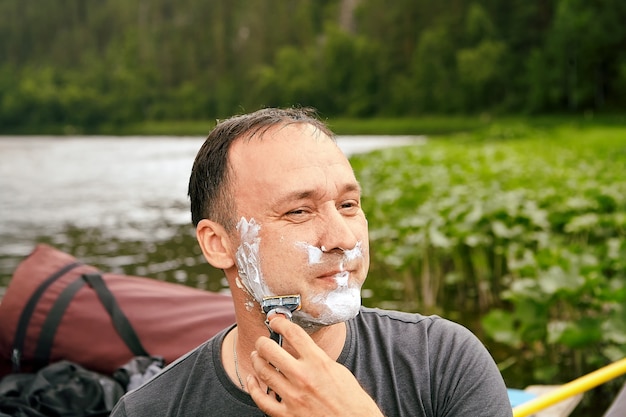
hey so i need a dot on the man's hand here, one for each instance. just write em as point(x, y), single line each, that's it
point(310, 384)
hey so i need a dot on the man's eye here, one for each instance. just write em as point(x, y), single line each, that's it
point(349, 204)
point(299, 212)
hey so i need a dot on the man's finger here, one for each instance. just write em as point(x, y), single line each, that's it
point(266, 402)
point(295, 335)
point(267, 372)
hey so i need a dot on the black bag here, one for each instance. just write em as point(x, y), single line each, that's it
point(138, 371)
point(62, 389)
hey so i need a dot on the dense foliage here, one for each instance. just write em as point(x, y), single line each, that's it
point(516, 231)
point(94, 65)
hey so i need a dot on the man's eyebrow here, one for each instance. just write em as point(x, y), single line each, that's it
point(297, 195)
point(350, 187)
point(306, 194)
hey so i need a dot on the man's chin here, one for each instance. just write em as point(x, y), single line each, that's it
point(332, 308)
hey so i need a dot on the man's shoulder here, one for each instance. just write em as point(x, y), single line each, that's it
point(369, 314)
point(408, 324)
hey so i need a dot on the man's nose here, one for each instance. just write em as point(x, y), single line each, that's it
point(337, 233)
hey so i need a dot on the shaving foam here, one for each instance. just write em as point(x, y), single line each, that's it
point(248, 260)
point(339, 304)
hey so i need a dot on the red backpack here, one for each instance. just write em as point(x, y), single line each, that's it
point(57, 308)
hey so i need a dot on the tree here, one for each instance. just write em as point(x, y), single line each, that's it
point(480, 64)
point(433, 73)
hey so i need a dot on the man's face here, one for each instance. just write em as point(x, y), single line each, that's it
point(302, 228)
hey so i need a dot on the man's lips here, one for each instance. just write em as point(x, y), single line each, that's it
point(330, 274)
point(339, 273)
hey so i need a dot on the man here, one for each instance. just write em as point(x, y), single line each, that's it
point(277, 207)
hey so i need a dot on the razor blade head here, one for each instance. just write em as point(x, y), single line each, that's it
point(290, 303)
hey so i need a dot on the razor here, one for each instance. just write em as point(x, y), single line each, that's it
point(279, 304)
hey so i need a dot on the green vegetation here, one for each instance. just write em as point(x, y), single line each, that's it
point(421, 125)
point(424, 125)
point(107, 66)
point(519, 232)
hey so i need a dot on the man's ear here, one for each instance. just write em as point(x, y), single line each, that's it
point(215, 244)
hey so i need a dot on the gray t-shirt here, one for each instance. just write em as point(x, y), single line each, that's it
point(411, 365)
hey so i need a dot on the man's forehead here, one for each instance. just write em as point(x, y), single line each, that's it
point(294, 140)
point(293, 166)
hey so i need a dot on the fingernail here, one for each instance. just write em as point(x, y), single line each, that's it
point(275, 316)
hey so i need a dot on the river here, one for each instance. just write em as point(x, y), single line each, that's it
point(119, 203)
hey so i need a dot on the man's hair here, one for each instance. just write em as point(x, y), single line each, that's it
point(210, 181)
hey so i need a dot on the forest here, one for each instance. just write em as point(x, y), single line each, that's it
point(92, 65)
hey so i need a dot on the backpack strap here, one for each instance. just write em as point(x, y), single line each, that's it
point(41, 357)
point(120, 321)
point(27, 312)
point(106, 297)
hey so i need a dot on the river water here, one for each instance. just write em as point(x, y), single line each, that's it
point(119, 203)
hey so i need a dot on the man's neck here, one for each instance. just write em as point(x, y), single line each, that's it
point(240, 342)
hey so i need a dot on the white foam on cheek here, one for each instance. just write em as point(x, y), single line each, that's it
point(356, 252)
point(315, 254)
point(248, 260)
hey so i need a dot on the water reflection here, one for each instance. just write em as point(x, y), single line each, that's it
point(177, 259)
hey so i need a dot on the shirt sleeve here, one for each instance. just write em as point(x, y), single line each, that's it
point(467, 380)
point(119, 410)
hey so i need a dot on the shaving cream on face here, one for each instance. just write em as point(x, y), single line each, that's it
point(248, 260)
point(315, 254)
point(356, 252)
point(336, 305)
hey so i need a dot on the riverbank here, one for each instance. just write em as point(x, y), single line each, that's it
point(431, 125)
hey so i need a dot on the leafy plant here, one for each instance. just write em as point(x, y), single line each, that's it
point(515, 231)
